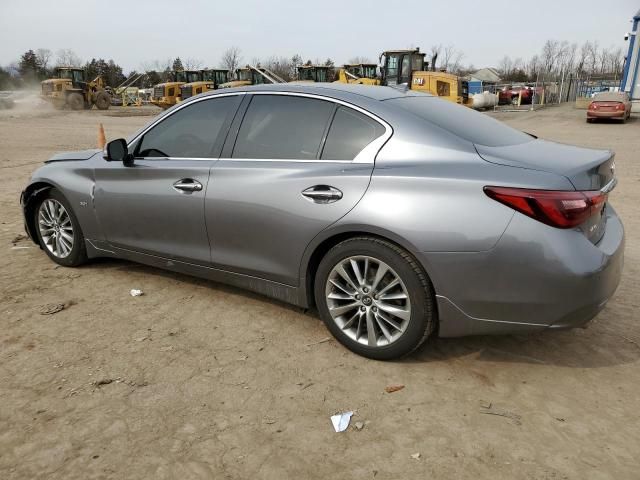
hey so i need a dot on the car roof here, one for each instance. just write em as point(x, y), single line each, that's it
point(340, 91)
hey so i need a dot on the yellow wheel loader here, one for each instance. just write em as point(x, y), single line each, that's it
point(70, 89)
point(210, 80)
point(313, 73)
point(250, 75)
point(408, 67)
point(359, 74)
point(167, 94)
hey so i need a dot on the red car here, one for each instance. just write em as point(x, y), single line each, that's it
point(510, 95)
point(614, 105)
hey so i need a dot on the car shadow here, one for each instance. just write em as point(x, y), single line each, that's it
point(593, 347)
point(599, 345)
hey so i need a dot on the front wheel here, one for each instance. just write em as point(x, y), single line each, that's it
point(375, 298)
point(75, 101)
point(58, 230)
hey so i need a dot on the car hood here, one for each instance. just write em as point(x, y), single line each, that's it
point(586, 168)
point(74, 156)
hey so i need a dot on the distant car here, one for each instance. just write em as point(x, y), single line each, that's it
point(510, 95)
point(396, 214)
point(613, 105)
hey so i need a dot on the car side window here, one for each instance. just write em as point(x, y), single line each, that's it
point(350, 133)
point(283, 127)
point(195, 131)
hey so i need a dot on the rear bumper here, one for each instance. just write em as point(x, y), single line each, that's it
point(535, 278)
point(615, 114)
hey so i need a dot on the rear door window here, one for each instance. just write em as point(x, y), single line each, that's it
point(195, 131)
point(350, 133)
point(283, 127)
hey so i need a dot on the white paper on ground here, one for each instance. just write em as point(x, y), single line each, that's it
point(341, 421)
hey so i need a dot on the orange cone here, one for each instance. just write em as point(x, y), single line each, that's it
point(102, 141)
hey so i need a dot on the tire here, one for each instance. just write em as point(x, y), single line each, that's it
point(589, 120)
point(413, 317)
point(66, 245)
point(103, 100)
point(75, 101)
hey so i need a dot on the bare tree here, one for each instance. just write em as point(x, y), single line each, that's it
point(192, 64)
point(435, 54)
point(451, 58)
point(68, 58)
point(231, 59)
point(44, 56)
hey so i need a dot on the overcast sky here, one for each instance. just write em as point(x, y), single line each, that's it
point(137, 31)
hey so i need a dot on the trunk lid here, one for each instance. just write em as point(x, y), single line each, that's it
point(587, 169)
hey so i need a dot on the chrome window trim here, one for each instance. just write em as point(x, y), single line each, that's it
point(180, 106)
point(367, 155)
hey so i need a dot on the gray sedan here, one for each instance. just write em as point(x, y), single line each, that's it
point(395, 214)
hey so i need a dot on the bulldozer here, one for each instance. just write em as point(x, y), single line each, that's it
point(70, 89)
point(210, 80)
point(251, 75)
point(166, 95)
point(408, 67)
point(359, 74)
point(313, 73)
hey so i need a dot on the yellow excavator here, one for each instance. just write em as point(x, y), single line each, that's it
point(167, 94)
point(359, 74)
point(209, 80)
point(313, 73)
point(70, 89)
point(408, 67)
point(251, 75)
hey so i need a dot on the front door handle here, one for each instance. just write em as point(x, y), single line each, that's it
point(322, 194)
point(187, 185)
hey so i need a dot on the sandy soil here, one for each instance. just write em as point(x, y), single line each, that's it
point(198, 380)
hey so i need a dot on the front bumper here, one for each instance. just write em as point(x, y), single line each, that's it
point(536, 277)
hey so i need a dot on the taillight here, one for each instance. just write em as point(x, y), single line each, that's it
point(560, 209)
point(593, 106)
point(620, 106)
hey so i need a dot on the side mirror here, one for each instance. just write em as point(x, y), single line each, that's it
point(116, 151)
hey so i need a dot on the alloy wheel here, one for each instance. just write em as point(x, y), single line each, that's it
point(55, 228)
point(368, 300)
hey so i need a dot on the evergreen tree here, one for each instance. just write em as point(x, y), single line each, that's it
point(29, 66)
point(177, 64)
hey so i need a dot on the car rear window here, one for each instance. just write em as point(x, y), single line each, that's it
point(462, 121)
point(609, 97)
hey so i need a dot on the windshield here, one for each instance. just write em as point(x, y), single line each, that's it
point(193, 77)
point(305, 74)
point(221, 76)
point(475, 127)
point(244, 75)
point(369, 71)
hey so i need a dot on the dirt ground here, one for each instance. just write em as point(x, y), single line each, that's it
point(196, 380)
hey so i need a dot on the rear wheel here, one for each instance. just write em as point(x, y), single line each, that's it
point(375, 298)
point(103, 100)
point(58, 230)
point(75, 101)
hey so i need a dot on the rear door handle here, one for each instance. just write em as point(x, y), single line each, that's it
point(187, 185)
point(322, 194)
